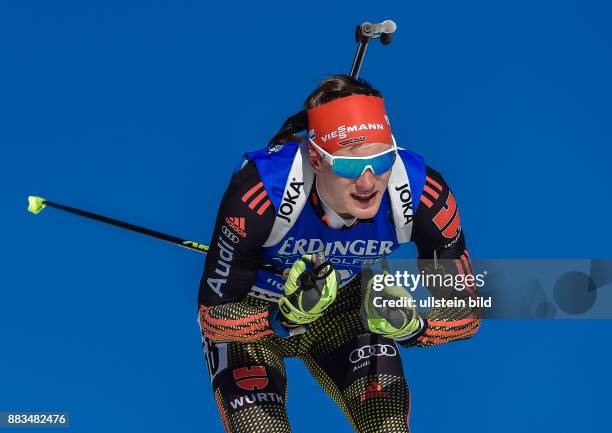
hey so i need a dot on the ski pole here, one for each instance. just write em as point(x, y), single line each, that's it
point(37, 204)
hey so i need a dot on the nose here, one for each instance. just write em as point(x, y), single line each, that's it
point(366, 181)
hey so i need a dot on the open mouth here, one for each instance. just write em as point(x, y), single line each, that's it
point(363, 198)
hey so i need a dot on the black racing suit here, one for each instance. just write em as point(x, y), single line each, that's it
point(360, 370)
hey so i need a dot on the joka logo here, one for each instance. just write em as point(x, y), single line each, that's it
point(290, 199)
point(373, 390)
point(251, 378)
point(238, 224)
point(406, 198)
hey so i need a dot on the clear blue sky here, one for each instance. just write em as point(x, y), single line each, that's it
point(140, 110)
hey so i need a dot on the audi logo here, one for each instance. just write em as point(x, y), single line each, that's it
point(228, 233)
point(368, 351)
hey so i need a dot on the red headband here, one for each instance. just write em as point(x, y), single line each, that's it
point(349, 121)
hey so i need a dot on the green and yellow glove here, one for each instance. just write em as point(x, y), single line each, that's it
point(383, 314)
point(310, 289)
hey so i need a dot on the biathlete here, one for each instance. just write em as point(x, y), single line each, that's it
point(321, 207)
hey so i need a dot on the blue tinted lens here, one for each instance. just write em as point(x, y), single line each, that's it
point(353, 168)
point(383, 163)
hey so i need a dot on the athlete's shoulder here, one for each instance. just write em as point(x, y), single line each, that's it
point(437, 218)
point(276, 165)
point(247, 190)
point(435, 185)
point(275, 153)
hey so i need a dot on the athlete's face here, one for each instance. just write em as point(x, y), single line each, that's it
point(359, 197)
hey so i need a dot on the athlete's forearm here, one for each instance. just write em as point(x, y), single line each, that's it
point(440, 241)
point(244, 222)
point(459, 322)
point(448, 324)
point(245, 320)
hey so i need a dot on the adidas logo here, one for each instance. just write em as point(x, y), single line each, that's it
point(257, 197)
point(237, 224)
point(373, 390)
